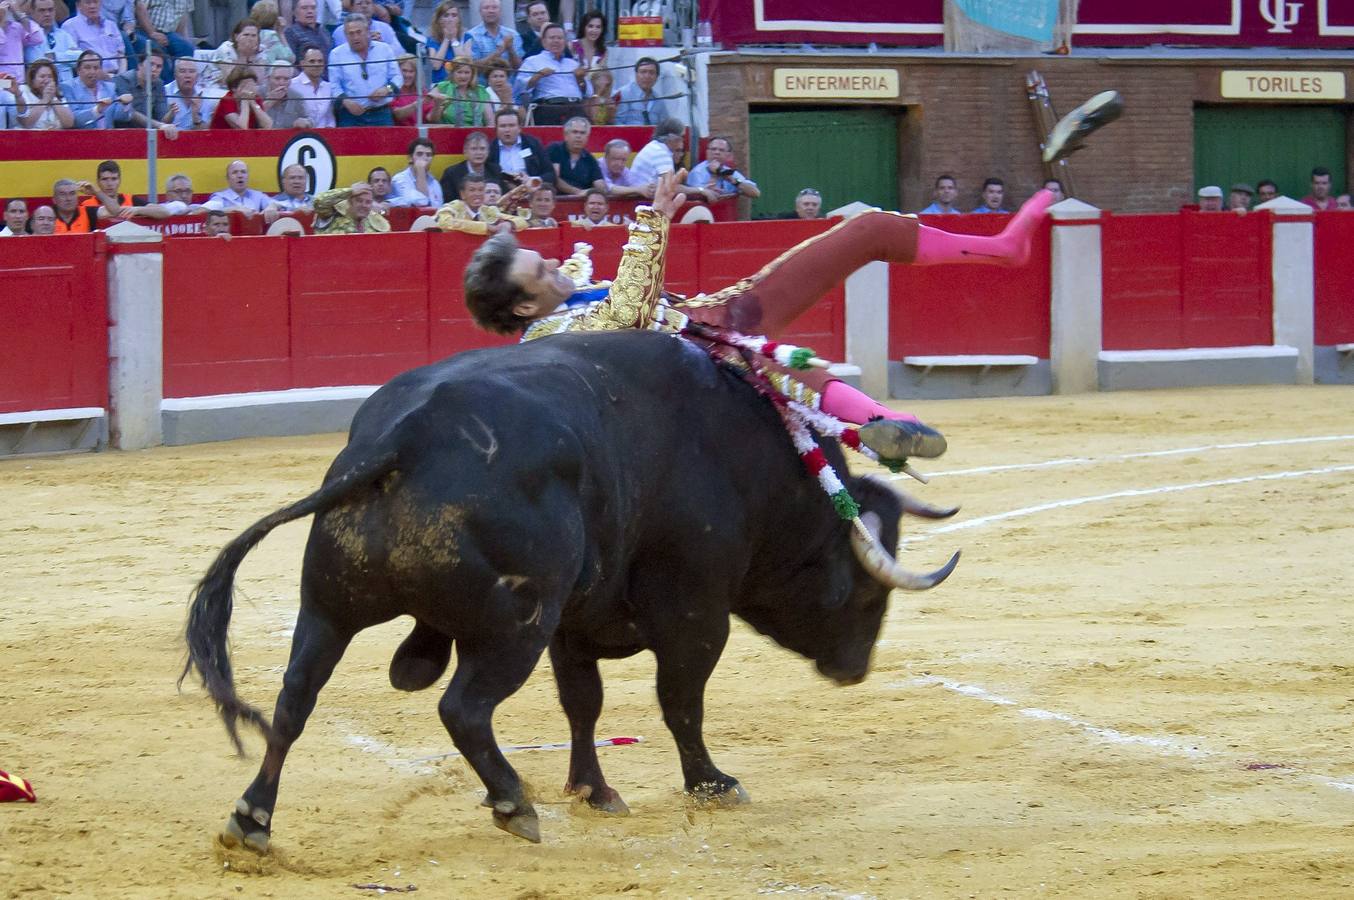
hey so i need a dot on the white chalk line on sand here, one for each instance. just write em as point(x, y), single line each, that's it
point(1162, 745)
point(1121, 457)
point(1023, 512)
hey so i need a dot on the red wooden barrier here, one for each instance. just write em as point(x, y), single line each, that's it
point(962, 310)
point(1187, 280)
point(1334, 265)
point(227, 326)
point(53, 323)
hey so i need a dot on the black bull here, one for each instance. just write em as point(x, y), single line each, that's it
point(596, 494)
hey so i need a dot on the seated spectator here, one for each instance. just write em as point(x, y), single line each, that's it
point(415, 185)
point(241, 52)
point(493, 193)
point(56, 43)
point(44, 220)
point(576, 170)
point(283, 103)
point(657, 157)
point(1320, 198)
point(104, 195)
point(808, 204)
point(10, 100)
point(132, 83)
point(305, 30)
point(636, 103)
point(159, 22)
point(516, 155)
point(70, 216)
point(471, 214)
point(596, 211)
point(179, 196)
point(946, 192)
point(600, 108)
point(275, 49)
point(190, 107)
point(542, 208)
point(95, 33)
point(378, 179)
point(1239, 197)
point(405, 105)
point(491, 43)
point(218, 224)
point(1266, 191)
point(552, 84)
point(294, 196)
point(1342, 202)
point(348, 211)
point(461, 100)
point(1210, 198)
point(91, 100)
point(476, 162)
point(1055, 187)
point(537, 17)
point(119, 12)
point(448, 40)
point(620, 180)
point(378, 31)
point(238, 195)
point(18, 32)
point(590, 47)
point(240, 108)
point(716, 177)
point(499, 84)
point(16, 218)
point(317, 95)
point(993, 197)
point(45, 106)
point(365, 76)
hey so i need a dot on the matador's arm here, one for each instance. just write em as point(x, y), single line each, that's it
point(633, 299)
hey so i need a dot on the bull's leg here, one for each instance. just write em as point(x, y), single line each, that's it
point(487, 673)
point(580, 693)
point(421, 659)
point(686, 657)
point(316, 648)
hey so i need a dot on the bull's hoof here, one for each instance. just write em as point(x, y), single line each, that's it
point(519, 820)
point(243, 829)
point(715, 793)
point(607, 800)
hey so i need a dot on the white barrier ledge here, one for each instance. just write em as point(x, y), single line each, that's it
point(71, 414)
point(268, 398)
point(1193, 354)
point(985, 360)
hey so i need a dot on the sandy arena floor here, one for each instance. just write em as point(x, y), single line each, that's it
point(1139, 683)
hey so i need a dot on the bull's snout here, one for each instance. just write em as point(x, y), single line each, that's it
point(843, 676)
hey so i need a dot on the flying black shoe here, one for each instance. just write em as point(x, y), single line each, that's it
point(1073, 129)
point(896, 439)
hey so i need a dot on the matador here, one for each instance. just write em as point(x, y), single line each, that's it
point(511, 289)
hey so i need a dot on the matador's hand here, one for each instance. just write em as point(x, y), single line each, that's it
point(666, 198)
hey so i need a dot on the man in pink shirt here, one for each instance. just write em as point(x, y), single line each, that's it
point(1320, 198)
point(17, 31)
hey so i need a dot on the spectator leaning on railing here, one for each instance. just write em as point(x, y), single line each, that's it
point(90, 99)
point(716, 178)
point(132, 83)
point(621, 182)
point(240, 107)
point(294, 198)
point(656, 157)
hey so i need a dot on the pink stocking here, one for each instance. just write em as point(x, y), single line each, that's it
point(1011, 248)
point(850, 405)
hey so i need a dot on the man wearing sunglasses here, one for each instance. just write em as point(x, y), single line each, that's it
point(808, 204)
point(365, 76)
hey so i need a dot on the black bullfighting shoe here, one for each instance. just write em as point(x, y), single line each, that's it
point(895, 440)
point(1072, 129)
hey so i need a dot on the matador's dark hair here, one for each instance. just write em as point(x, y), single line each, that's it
point(490, 292)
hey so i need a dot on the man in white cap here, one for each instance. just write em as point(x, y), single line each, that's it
point(1210, 198)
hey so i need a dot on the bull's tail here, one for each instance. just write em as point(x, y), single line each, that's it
point(214, 597)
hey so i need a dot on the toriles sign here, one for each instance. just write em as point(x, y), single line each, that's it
point(1100, 23)
point(844, 84)
point(1297, 85)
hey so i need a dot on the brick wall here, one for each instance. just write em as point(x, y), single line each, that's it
point(971, 118)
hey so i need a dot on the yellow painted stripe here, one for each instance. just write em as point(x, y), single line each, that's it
point(34, 177)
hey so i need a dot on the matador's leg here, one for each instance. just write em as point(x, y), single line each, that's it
point(799, 277)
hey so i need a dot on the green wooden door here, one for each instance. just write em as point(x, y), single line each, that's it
point(1282, 143)
point(846, 153)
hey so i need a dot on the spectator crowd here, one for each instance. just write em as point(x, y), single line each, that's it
point(128, 63)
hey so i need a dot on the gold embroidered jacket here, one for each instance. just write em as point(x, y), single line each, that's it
point(332, 217)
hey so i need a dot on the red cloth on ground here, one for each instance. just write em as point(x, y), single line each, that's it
point(14, 789)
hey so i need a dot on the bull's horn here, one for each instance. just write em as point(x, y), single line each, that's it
point(884, 569)
point(913, 506)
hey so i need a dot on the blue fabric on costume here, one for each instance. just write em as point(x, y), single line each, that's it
point(587, 295)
